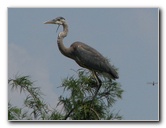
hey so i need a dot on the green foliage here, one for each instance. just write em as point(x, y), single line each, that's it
point(33, 100)
point(15, 113)
point(78, 99)
point(80, 105)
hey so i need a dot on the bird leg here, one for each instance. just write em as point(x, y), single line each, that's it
point(97, 79)
point(99, 82)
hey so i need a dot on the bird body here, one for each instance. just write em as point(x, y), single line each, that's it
point(89, 58)
point(84, 55)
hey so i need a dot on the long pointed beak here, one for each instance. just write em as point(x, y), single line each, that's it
point(50, 22)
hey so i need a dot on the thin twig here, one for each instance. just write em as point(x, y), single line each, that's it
point(95, 113)
point(69, 114)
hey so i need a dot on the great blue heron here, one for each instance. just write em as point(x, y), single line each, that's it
point(84, 55)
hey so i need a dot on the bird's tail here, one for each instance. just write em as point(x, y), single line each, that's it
point(113, 74)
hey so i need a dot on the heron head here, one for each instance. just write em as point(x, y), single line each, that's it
point(58, 20)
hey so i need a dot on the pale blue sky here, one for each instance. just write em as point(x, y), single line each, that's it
point(128, 37)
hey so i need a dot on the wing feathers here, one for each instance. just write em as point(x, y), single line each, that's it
point(90, 58)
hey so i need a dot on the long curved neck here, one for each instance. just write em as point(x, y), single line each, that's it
point(65, 51)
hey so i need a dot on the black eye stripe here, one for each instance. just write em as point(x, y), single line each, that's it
point(60, 18)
